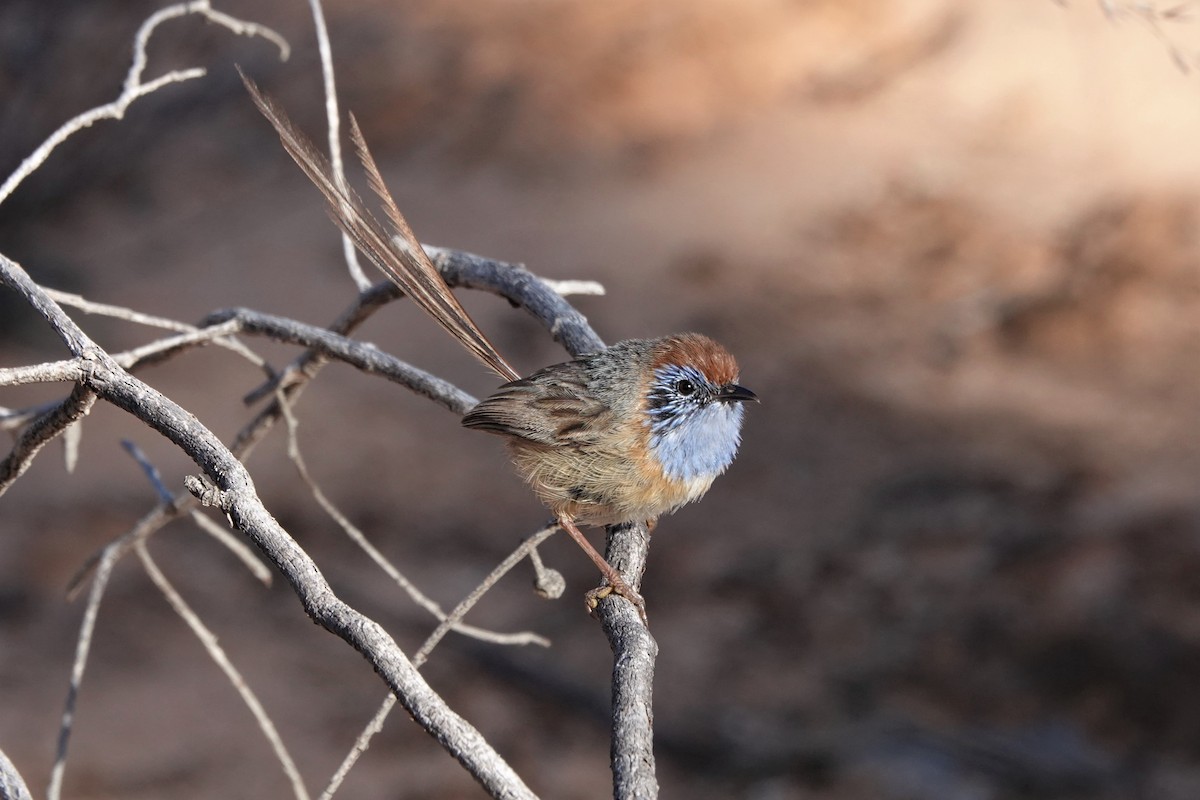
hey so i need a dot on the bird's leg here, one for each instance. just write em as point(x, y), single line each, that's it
point(616, 584)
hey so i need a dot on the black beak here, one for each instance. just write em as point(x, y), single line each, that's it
point(732, 393)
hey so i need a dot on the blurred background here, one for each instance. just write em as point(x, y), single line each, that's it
point(953, 244)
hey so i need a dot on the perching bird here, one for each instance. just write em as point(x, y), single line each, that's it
point(622, 435)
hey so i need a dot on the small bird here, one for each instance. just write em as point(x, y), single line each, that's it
point(622, 435)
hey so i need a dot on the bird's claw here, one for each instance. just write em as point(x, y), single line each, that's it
point(623, 589)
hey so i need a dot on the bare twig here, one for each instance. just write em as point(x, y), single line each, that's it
point(511, 281)
point(104, 563)
point(361, 355)
point(360, 746)
point(116, 312)
point(634, 651)
point(524, 290)
point(83, 644)
point(73, 369)
point(49, 372)
point(217, 654)
point(233, 491)
point(357, 536)
point(113, 110)
point(547, 582)
point(165, 348)
point(467, 603)
point(452, 621)
point(134, 87)
point(333, 119)
point(191, 334)
point(152, 473)
point(541, 297)
point(235, 545)
point(306, 366)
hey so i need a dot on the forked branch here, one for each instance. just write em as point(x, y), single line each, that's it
point(233, 492)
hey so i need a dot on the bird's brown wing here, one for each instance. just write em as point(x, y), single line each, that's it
point(553, 406)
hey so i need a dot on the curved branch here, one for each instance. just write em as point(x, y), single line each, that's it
point(523, 289)
point(366, 357)
point(627, 546)
point(235, 494)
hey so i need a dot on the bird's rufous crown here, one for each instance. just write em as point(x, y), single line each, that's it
point(700, 352)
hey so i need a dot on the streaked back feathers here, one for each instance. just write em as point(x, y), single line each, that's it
point(631, 432)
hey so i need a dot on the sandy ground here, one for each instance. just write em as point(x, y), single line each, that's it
point(953, 245)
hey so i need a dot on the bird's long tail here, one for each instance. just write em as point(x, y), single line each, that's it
point(398, 256)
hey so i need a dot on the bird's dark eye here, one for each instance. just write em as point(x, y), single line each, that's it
point(685, 387)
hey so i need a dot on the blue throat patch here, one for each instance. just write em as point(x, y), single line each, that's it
point(691, 436)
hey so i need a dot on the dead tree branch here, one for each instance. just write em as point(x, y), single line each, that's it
point(97, 374)
point(231, 489)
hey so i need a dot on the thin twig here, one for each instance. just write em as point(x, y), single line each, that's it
point(191, 333)
point(152, 473)
point(467, 603)
point(113, 110)
point(218, 655)
point(333, 119)
point(360, 746)
point(233, 491)
point(364, 356)
point(547, 582)
point(73, 369)
point(248, 557)
point(74, 300)
point(357, 536)
point(83, 644)
point(450, 622)
point(134, 88)
point(162, 349)
point(49, 372)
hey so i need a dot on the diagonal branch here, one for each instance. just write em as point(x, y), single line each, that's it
point(233, 491)
point(42, 430)
point(634, 649)
point(365, 357)
point(217, 653)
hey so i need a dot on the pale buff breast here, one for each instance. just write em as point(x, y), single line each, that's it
point(602, 488)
